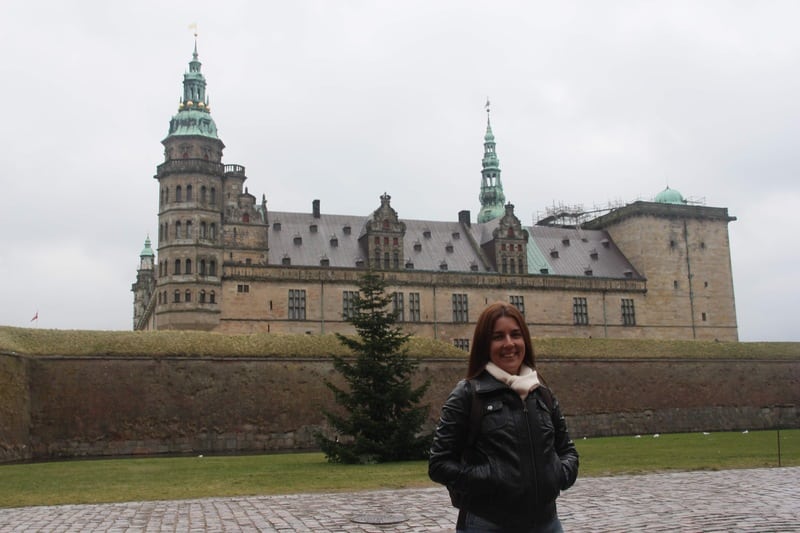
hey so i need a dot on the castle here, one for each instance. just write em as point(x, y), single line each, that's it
point(656, 269)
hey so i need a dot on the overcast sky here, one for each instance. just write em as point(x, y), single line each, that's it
point(592, 102)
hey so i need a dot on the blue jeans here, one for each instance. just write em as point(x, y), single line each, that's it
point(476, 524)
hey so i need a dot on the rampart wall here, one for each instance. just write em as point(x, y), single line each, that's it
point(56, 406)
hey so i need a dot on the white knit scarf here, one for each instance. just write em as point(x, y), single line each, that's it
point(522, 384)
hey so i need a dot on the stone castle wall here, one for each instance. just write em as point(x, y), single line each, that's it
point(99, 406)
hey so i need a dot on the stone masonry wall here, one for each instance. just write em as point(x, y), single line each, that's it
point(100, 406)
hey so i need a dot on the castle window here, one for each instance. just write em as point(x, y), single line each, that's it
point(286, 260)
point(348, 304)
point(386, 264)
point(203, 194)
point(702, 245)
point(246, 218)
point(324, 261)
point(417, 246)
point(473, 266)
point(334, 242)
point(188, 193)
point(276, 226)
point(443, 265)
point(565, 241)
point(460, 308)
point(456, 235)
point(628, 312)
point(593, 254)
point(187, 296)
point(703, 317)
point(672, 244)
point(414, 314)
point(177, 267)
point(298, 240)
point(212, 268)
point(297, 304)
point(588, 271)
point(396, 260)
point(243, 287)
point(377, 241)
point(312, 228)
point(248, 261)
point(461, 344)
point(554, 253)
point(178, 230)
point(397, 307)
point(212, 230)
point(346, 229)
point(628, 273)
point(544, 271)
point(409, 264)
point(166, 195)
point(188, 266)
point(202, 296)
point(519, 265)
point(504, 265)
point(448, 247)
point(518, 302)
point(675, 284)
point(177, 296)
point(213, 196)
point(580, 312)
point(178, 194)
point(426, 233)
point(188, 229)
point(386, 241)
point(212, 298)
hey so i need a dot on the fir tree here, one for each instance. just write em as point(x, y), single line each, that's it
point(383, 417)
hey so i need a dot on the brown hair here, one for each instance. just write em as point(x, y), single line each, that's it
point(482, 338)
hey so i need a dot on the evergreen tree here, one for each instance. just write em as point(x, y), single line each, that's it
point(383, 419)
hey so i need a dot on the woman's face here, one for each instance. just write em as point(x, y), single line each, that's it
point(507, 347)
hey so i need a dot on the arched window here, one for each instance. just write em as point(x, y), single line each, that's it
point(202, 296)
point(177, 266)
point(212, 268)
point(177, 297)
point(187, 296)
point(203, 194)
point(188, 193)
point(178, 230)
point(166, 195)
point(202, 267)
point(212, 298)
point(202, 230)
point(166, 231)
point(188, 229)
point(213, 196)
point(213, 232)
point(178, 194)
point(188, 269)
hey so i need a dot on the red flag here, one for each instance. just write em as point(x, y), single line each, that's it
point(35, 317)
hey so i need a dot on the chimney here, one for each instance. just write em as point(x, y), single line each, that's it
point(315, 208)
point(463, 217)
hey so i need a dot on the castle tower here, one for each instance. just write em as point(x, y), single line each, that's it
point(145, 283)
point(491, 196)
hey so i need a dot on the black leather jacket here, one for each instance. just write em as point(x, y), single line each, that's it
point(520, 461)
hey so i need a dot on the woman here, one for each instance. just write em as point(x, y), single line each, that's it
point(502, 446)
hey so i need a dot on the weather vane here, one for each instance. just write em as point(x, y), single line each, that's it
point(193, 27)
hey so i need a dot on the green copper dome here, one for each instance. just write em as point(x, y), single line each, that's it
point(194, 114)
point(670, 196)
point(147, 251)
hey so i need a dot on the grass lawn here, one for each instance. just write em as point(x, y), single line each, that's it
point(114, 480)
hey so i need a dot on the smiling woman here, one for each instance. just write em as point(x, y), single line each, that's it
point(501, 446)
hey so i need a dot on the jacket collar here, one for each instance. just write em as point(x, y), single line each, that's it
point(485, 382)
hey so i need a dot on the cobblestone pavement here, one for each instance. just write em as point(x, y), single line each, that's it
point(731, 500)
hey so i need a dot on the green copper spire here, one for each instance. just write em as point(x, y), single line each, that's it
point(194, 114)
point(491, 197)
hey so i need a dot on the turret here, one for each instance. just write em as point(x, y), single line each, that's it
point(491, 196)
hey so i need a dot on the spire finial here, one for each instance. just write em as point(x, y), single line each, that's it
point(488, 111)
point(193, 27)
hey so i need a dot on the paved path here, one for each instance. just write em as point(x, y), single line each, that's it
point(730, 500)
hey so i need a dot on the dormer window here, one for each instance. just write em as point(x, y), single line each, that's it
point(286, 260)
point(312, 228)
point(324, 261)
point(417, 246)
point(593, 254)
point(276, 226)
point(426, 233)
point(605, 243)
point(587, 271)
point(449, 247)
point(409, 264)
point(298, 240)
point(359, 262)
point(346, 229)
point(443, 265)
point(473, 266)
point(456, 235)
point(565, 241)
point(554, 253)
point(544, 271)
point(628, 273)
point(334, 241)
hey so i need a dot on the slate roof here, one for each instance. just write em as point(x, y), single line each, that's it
point(429, 245)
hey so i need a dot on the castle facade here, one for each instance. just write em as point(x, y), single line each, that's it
point(649, 269)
